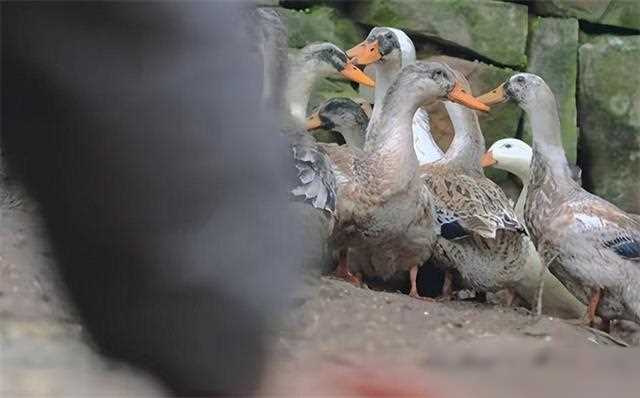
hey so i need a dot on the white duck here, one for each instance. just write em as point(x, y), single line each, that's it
point(385, 52)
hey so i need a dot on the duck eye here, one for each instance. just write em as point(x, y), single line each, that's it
point(520, 79)
point(507, 145)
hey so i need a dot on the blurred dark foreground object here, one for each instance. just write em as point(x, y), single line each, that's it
point(138, 129)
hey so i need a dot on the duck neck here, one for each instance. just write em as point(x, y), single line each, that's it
point(302, 76)
point(354, 135)
point(427, 151)
point(390, 137)
point(385, 73)
point(522, 171)
point(548, 152)
point(425, 146)
point(467, 146)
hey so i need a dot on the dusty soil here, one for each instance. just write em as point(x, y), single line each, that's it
point(452, 348)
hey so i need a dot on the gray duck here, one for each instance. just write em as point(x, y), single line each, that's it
point(592, 246)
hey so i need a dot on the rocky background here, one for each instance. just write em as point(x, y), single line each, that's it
point(588, 51)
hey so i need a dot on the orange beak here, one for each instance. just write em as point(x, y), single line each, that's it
point(495, 96)
point(461, 96)
point(352, 72)
point(487, 159)
point(366, 108)
point(313, 122)
point(365, 53)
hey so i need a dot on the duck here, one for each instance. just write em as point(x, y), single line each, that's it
point(591, 245)
point(343, 115)
point(514, 156)
point(287, 87)
point(480, 235)
point(383, 207)
point(384, 53)
point(556, 300)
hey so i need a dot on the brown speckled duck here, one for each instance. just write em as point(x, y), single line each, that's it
point(481, 236)
point(593, 246)
point(383, 206)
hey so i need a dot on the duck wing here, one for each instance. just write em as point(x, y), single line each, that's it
point(466, 205)
point(606, 227)
point(316, 179)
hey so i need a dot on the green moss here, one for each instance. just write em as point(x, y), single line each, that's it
point(587, 10)
point(625, 13)
point(609, 98)
point(320, 24)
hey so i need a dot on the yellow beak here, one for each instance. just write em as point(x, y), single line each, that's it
point(495, 96)
point(461, 96)
point(352, 72)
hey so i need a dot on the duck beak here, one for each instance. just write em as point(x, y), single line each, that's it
point(487, 159)
point(495, 96)
point(366, 108)
point(313, 122)
point(352, 72)
point(461, 96)
point(365, 53)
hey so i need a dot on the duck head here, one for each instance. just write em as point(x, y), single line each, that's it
point(382, 44)
point(336, 113)
point(509, 154)
point(432, 81)
point(343, 115)
point(444, 78)
point(523, 88)
point(328, 60)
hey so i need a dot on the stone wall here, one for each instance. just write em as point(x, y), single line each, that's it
point(588, 51)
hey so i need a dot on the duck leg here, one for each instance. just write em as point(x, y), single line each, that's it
point(413, 276)
point(593, 305)
point(447, 286)
point(342, 270)
point(510, 297)
point(590, 315)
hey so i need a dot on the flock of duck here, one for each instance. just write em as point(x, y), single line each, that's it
point(393, 200)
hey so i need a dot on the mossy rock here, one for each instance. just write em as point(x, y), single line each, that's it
point(553, 55)
point(609, 114)
point(321, 24)
point(620, 13)
point(587, 10)
point(492, 29)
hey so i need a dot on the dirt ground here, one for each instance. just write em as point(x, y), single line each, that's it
point(453, 349)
